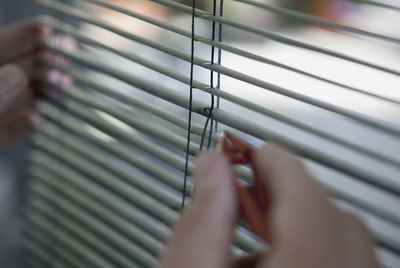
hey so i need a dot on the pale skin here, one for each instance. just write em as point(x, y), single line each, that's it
point(307, 229)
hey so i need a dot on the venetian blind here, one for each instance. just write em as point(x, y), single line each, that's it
point(112, 159)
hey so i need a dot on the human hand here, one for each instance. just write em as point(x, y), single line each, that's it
point(306, 229)
point(18, 54)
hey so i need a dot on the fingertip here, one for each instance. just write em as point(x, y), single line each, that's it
point(55, 77)
point(281, 172)
point(355, 223)
point(34, 31)
point(278, 158)
point(39, 27)
point(22, 39)
point(206, 162)
point(211, 214)
point(272, 152)
point(13, 79)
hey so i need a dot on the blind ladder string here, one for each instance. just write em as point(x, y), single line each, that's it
point(221, 13)
point(209, 110)
point(190, 109)
point(209, 115)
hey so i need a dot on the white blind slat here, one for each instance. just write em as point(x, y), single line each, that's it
point(108, 157)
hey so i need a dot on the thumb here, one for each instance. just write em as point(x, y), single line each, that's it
point(13, 82)
point(204, 234)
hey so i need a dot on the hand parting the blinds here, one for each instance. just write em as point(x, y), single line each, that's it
point(304, 228)
point(19, 51)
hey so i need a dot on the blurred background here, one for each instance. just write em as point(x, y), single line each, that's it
point(385, 21)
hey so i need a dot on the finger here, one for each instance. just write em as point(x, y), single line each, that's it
point(303, 223)
point(57, 77)
point(249, 261)
point(15, 128)
point(20, 39)
point(13, 84)
point(28, 64)
point(49, 75)
point(204, 234)
point(53, 58)
point(298, 204)
point(65, 41)
point(22, 114)
point(359, 239)
point(284, 177)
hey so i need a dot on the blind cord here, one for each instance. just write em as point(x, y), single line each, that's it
point(190, 108)
point(209, 111)
point(209, 115)
point(221, 13)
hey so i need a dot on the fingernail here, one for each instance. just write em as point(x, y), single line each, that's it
point(220, 142)
point(10, 76)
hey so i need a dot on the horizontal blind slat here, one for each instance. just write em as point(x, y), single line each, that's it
point(122, 252)
point(166, 177)
point(376, 4)
point(51, 112)
point(356, 116)
point(116, 148)
point(45, 166)
point(74, 245)
point(304, 17)
point(38, 251)
point(161, 192)
point(80, 152)
point(379, 125)
point(147, 203)
point(71, 124)
point(132, 231)
point(273, 36)
point(60, 256)
point(155, 209)
point(60, 26)
point(264, 134)
point(392, 246)
point(237, 100)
